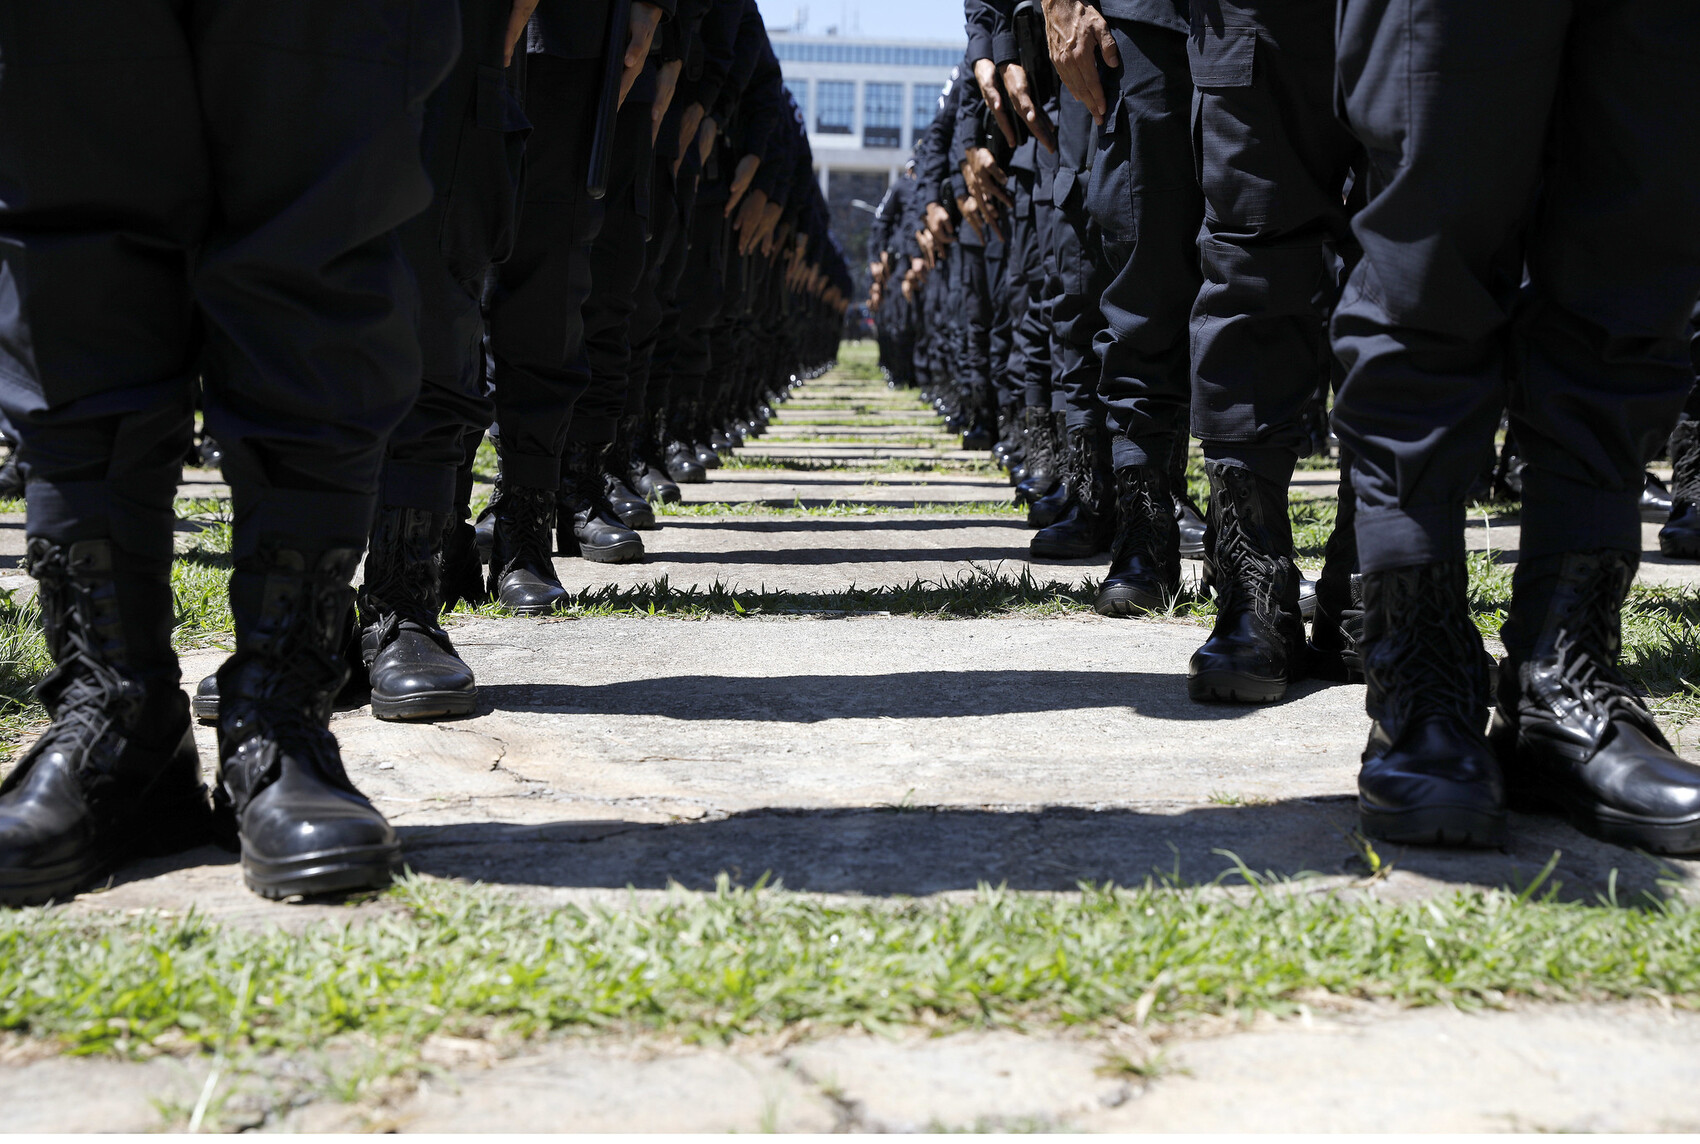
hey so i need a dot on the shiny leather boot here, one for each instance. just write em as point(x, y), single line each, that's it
point(1039, 453)
point(1680, 536)
point(646, 472)
point(410, 662)
point(354, 693)
point(1087, 528)
point(587, 524)
point(11, 479)
point(1429, 777)
point(302, 825)
point(1656, 500)
point(1337, 627)
point(460, 572)
point(115, 776)
point(1145, 558)
point(681, 463)
point(1257, 645)
point(1188, 518)
point(1573, 736)
point(633, 510)
point(522, 574)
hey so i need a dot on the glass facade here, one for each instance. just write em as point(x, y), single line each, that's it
point(835, 107)
point(799, 89)
point(882, 115)
point(880, 54)
point(924, 104)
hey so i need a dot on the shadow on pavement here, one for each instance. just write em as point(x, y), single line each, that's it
point(899, 695)
point(911, 851)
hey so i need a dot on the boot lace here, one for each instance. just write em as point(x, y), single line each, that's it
point(88, 693)
point(1428, 661)
point(1583, 651)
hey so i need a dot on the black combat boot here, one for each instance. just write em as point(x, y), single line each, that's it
point(1008, 435)
point(303, 826)
point(1188, 518)
point(1145, 558)
point(1039, 454)
point(1257, 645)
point(522, 574)
point(1429, 777)
point(1680, 537)
point(1656, 501)
point(411, 663)
point(1087, 528)
point(632, 510)
point(1337, 627)
point(355, 689)
point(11, 479)
point(646, 472)
point(460, 571)
point(587, 524)
point(115, 776)
point(1573, 736)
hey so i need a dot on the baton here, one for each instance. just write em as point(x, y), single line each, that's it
point(608, 107)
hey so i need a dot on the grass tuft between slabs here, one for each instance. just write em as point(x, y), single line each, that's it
point(468, 961)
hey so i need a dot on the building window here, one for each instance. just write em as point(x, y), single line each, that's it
point(924, 105)
point(799, 89)
point(835, 106)
point(882, 115)
point(885, 55)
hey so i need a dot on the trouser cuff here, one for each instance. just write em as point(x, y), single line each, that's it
point(419, 485)
point(1272, 465)
point(1152, 449)
point(332, 520)
point(592, 430)
point(1561, 515)
point(531, 471)
point(1390, 538)
point(68, 511)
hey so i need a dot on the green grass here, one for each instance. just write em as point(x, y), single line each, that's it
point(857, 361)
point(470, 962)
point(837, 508)
point(978, 592)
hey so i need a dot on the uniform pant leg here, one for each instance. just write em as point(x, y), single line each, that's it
point(536, 310)
point(1001, 337)
point(616, 267)
point(473, 144)
point(1273, 162)
point(1421, 325)
point(1144, 196)
point(313, 112)
point(972, 303)
point(106, 197)
point(1603, 364)
point(1076, 318)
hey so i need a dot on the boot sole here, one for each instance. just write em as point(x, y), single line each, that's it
point(168, 827)
point(206, 710)
point(1125, 602)
point(1449, 826)
point(1046, 552)
point(1679, 551)
point(1231, 687)
point(424, 705)
point(629, 552)
point(326, 872)
point(1657, 836)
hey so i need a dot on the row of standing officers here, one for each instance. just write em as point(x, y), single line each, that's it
point(1138, 221)
point(366, 233)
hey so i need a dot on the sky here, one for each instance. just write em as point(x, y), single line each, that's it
point(875, 19)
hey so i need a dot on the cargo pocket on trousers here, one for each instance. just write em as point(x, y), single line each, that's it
point(481, 204)
point(1222, 59)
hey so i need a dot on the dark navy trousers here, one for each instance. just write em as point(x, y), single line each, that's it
point(1560, 136)
point(211, 188)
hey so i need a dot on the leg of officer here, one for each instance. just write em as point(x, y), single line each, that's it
point(1425, 335)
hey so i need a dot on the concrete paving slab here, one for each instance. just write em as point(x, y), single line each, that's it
point(1347, 1067)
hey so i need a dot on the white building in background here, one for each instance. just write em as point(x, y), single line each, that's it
point(864, 100)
